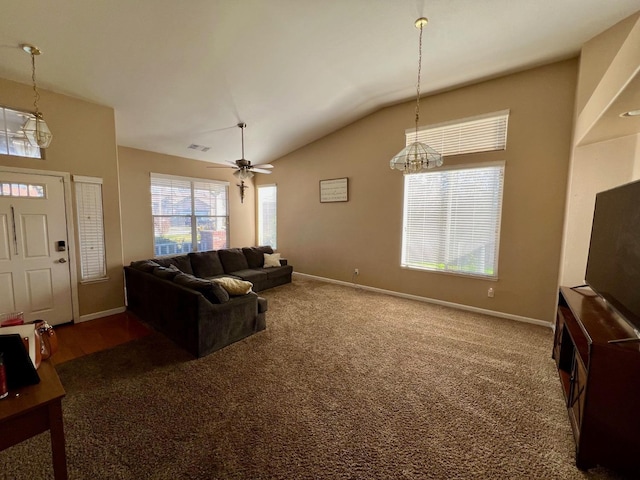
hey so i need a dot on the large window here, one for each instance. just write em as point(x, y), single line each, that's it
point(90, 228)
point(189, 215)
point(267, 208)
point(452, 220)
point(13, 141)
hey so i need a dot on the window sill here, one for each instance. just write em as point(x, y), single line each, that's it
point(94, 280)
point(455, 274)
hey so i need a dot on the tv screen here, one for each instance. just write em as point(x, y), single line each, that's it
point(613, 265)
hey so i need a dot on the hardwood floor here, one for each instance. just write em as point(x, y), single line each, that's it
point(76, 340)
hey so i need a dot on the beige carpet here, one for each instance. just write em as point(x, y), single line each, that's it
point(343, 384)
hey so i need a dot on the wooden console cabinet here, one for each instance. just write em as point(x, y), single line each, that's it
point(600, 380)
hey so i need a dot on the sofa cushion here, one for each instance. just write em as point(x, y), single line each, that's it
point(167, 273)
point(233, 259)
point(206, 264)
point(255, 255)
point(271, 260)
point(181, 261)
point(233, 286)
point(211, 290)
point(278, 272)
point(145, 265)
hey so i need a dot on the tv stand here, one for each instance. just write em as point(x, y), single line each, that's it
point(600, 377)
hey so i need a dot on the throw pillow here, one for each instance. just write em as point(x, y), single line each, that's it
point(271, 260)
point(234, 286)
point(211, 291)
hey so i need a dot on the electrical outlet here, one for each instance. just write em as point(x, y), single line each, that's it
point(356, 271)
point(490, 292)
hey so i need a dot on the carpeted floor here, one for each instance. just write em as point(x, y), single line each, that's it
point(343, 384)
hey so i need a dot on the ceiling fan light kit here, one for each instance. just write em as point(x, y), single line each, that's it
point(417, 156)
point(35, 128)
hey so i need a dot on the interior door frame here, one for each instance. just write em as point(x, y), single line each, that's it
point(70, 227)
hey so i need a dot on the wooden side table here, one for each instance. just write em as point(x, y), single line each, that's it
point(31, 410)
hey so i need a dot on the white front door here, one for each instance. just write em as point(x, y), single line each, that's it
point(34, 261)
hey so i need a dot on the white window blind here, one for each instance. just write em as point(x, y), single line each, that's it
point(452, 220)
point(189, 214)
point(483, 133)
point(90, 228)
point(267, 212)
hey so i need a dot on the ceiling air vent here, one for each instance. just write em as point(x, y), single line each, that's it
point(200, 148)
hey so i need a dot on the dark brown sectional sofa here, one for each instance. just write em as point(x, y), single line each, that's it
point(176, 296)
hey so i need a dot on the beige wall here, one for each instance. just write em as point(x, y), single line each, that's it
point(137, 227)
point(84, 143)
point(329, 240)
point(608, 64)
point(596, 57)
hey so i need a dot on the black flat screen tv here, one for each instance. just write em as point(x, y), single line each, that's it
point(613, 265)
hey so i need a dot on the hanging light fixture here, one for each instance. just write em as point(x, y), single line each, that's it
point(36, 129)
point(417, 156)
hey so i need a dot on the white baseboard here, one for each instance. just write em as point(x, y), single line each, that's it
point(459, 306)
point(105, 313)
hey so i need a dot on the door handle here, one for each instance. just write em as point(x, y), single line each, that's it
point(62, 260)
point(15, 233)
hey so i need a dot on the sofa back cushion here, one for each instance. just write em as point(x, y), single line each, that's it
point(144, 265)
point(233, 260)
point(211, 290)
point(181, 261)
point(206, 264)
point(166, 273)
point(255, 255)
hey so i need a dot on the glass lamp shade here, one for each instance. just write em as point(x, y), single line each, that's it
point(37, 131)
point(243, 174)
point(415, 158)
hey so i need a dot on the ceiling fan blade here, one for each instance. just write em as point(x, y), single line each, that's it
point(222, 166)
point(263, 165)
point(260, 170)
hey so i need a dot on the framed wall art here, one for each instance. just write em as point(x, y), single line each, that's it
point(334, 190)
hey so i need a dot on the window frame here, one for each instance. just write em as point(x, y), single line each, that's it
point(193, 216)
point(449, 267)
point(91, 186)
point(470, 135)
point(9, 136)
point(261, 236)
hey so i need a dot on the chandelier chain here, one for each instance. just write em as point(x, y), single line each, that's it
point(418, 83)
point(33, 78)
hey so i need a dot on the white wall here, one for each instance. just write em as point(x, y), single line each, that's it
point(596, 167)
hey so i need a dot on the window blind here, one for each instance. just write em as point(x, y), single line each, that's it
point(452, 220)
point(90, 228)
point(483, 133)
point(267, 212)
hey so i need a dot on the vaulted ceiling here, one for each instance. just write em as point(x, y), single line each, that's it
point(182, 73)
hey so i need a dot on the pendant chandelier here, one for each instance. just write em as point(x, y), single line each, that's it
point(417, 156)
point(36, 129)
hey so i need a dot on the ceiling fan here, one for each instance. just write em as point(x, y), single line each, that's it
point(244, 168)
